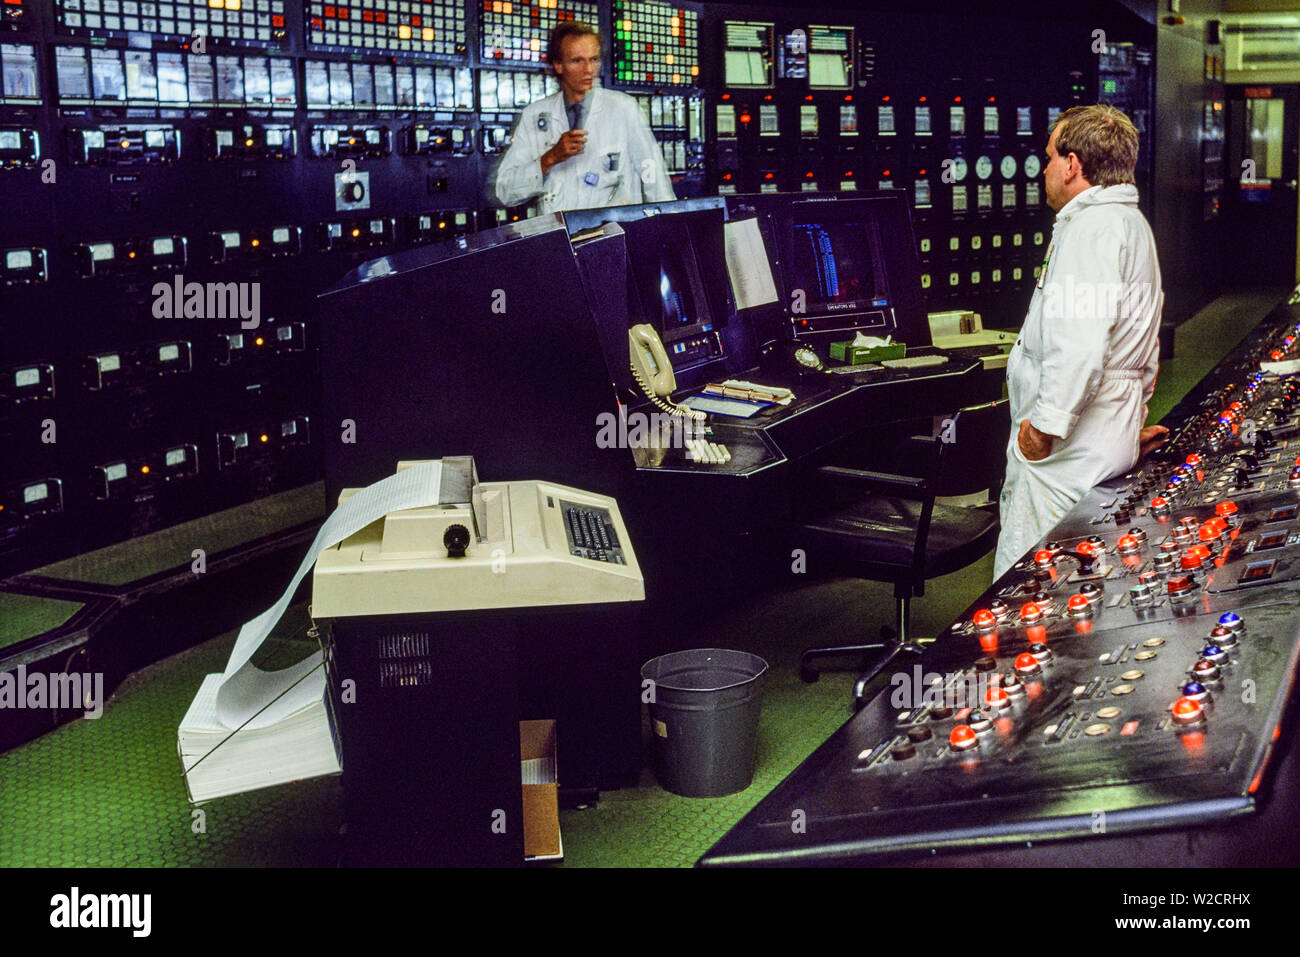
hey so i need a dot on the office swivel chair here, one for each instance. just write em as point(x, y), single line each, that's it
point(913, 527)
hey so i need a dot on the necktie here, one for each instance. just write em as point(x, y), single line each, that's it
point(576, 115)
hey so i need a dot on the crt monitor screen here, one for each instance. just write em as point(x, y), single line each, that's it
point(836, 261)
point(673, 260)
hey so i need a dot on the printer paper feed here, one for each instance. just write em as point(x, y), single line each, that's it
point(246, 689)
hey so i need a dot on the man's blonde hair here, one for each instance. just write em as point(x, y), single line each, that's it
point(1104, 139)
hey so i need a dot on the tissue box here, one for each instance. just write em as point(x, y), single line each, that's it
point(856, 355)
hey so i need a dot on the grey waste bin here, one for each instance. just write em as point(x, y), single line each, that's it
point(704, 719)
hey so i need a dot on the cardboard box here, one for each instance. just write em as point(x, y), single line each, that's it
point(856, 355)
point(537, 759)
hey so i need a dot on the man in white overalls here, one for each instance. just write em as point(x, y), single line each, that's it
point(1085, 364)
point(583, 147)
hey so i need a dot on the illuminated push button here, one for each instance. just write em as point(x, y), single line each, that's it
point(984, 620)
point(1108, 712)
point(1206, 671)
point(1012, 685)
point(1196, 691)
point(1153, 643)
point(1183, 535)
point(1159, 505)
point(1180, 586)
point(962, 738)
point(1223, 637)
point(1041, 652)
point(1232, 621)
point(1214, 653)
point(1128, 545)
point(996, 698)
point(1164, 562)
point(1190, 561)
point(1192, 460)
point(1031, 614)
point(1293, 479)
point(1043, 558)
point(1148, 578)
point(1224, 509)
point(1041, 599)
point(1079, 606)
point(1026, 664)
point(1140, 593)
point(1138, 535)
point(1187, 711)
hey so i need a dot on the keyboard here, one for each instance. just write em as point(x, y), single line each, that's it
point(710, 453)
point(913, 362)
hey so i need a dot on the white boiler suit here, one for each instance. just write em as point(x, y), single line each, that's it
point(1085, 363)
point(620, 164)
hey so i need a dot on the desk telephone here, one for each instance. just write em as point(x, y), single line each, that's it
point(653, 372)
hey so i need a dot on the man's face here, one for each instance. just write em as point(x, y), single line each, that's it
point(1054, 171)
point(578, 65)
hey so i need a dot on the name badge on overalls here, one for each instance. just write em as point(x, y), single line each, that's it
point(544, 122)
point(612, 160)
point(591, 179)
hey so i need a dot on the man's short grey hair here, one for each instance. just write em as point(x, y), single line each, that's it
point(1104, 139)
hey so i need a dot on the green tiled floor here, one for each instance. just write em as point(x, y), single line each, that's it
point(109, 792)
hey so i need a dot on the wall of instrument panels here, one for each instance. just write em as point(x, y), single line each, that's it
point(183, 177)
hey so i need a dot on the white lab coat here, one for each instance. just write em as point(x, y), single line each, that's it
point(1085, 363)
point(620, 164)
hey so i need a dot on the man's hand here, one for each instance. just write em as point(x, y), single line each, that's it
point(570, 144)
point(1150, 439)
point(1034, 445)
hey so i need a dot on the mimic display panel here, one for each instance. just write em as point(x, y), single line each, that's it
point(221, 21)
point(107, 76)
point(502, 90)
point(519, 31)
point(338, 85)
point(397, 27)
point(656, 43)
point(830, 58)
point(19, 79)
point(747, 54)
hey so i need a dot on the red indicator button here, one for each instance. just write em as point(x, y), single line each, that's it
point(1043, 557)
point(984, 619)
point(1193, 460)
point(962, 738)
point(1078, 602)
point(1230, 508)
point(1030, 612)
point(1187, 711)
point(995, 697)
point(1190, 562)
point(1027, 664)
point(1159, 502)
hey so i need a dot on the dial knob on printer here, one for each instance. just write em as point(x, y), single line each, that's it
point(456, 539)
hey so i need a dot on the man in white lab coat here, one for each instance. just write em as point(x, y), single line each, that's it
point(1085, 363)
point(583, 147)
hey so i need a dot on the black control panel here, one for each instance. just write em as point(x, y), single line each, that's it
point(1131, 672)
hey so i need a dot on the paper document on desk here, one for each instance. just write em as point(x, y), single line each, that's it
point(747, 264)
point(749, 391)
point(1283, 368)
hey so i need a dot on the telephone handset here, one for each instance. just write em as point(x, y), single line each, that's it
point(653, 371)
